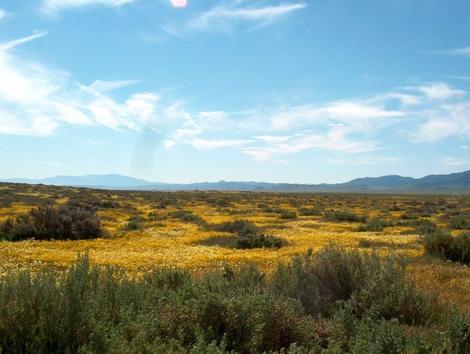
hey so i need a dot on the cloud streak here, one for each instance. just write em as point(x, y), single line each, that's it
point(461, 52)
point(228, 17)
point(54, 6)
point(3, 13)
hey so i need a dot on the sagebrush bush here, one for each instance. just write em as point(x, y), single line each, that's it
point(239, 227)
point(249, 235)
point(135, 222)
point(343, 216)
point(332, 302)
point(188, 216)
point(333, 275)
point(459, 222)
point(70, 221)
point(287, 214)
point(454, 248)
point(375, 224)
point(309, 212)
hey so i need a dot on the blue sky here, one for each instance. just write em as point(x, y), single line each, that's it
point(185, 91)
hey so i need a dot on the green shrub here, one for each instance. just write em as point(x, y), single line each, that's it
point(257, 240)
point(375, 224)
point(287, 214)
point(239, 227)
point(343, 216)
point(459, 222)
point(443, 244)
point(70, 221)
point(333, 275)
point(249, 235)
point(458, 334)
point(135, 223)
point(188, 216)
point(309, 212)
point(423, 227)
point(363, 299)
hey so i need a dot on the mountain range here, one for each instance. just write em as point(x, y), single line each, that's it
point(450, 183)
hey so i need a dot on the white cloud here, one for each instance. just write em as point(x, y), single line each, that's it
point(345, 112)
point(3, 13)
point(14, 43)
point(453, 161)
point(336, 139)
point(209, 144)
point(106, 86)
point(444, 122)
point(225, 17)
point(440, 91)
point(463, 52)
point(39, 100)
point(53, 6)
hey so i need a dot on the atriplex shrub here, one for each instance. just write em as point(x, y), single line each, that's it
point(364, 279)
point(135, 222)
point(188, 216)
point(249, 235)
point(423, 227)
point(454, 248)
point(460, 222)
point(71, 221)
point(309, 212)
point(240, 227)
point(343, 216)
point(287, 214)
point(375, 224)
point(363, 301)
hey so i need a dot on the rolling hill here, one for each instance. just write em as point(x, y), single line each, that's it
point(450, 183)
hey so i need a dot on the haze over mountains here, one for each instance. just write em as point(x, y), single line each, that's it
point(450, 183)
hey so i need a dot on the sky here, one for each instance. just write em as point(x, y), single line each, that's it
point(304, 91)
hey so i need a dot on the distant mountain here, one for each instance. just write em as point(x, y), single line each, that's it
point(455, 182)
point(97, 181)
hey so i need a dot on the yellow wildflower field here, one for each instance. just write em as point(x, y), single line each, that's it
point(303, 221)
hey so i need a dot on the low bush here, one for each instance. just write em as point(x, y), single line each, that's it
point(309, 212)
point(375, 224)
point(249, 235)
point(363, 279)
point(364, 301)
point(71, 221)
point(258, 240)
point(135, 222)
point(239, 227)
point(188, 216)
point(423, 227)
point(443, 244)
point(287, 214)
point(343, 216)
point(459, 222)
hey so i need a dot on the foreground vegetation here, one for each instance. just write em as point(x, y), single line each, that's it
point(218, 272)
point(331, 302)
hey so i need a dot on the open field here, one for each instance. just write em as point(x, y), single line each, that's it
point(159, 238)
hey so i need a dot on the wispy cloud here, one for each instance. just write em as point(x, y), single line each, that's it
point(461, 52)
point(3, 13)
point(53, 6)
point(452, 161)
point(38, 100)
point(440, 91)
point(449, 120)
point(107, 86)
point(228, 16)
point(16, 42)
